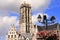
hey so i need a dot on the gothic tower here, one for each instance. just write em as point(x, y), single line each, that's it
point(25, 18)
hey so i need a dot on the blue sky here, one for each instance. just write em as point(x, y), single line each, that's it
point(53, 9)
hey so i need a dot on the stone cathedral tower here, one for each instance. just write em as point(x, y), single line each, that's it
point(25, 18)
point(27, 31)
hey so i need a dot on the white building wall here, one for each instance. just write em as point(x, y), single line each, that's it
point(12, 34)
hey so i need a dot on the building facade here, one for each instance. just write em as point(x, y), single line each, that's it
point(12, 34)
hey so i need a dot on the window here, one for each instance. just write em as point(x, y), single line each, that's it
point(15, 39)
point(11, 36)
point(8, 36)
point(15, 36)
point(8, 39)
point(14, 32)
point(10, 32)
point(11, 29)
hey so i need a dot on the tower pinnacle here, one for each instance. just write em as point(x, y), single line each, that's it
point(24, 2)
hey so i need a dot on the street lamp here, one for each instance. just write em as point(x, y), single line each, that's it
point(45, 19)
point(52, 19)
point(39, 18)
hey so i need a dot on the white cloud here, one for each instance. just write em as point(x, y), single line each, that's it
point(3, 13)
point(34, 17)
point(5, 23)
point(9, 19)
point(14, 5)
